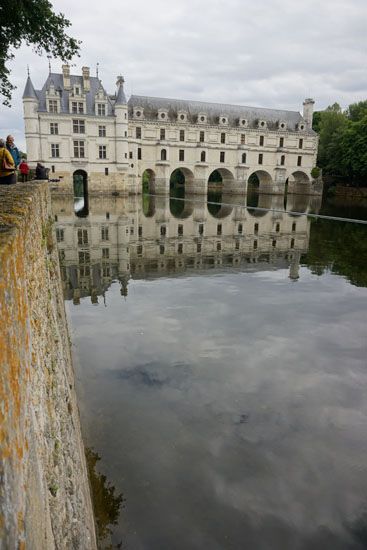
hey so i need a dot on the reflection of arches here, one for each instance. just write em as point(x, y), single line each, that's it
point(216, 207)
point(298, 203)
point(221, 176)
point(255, 201)
point(261, 181)
point(80, 187)
point(148, 202)
point(181, 209)
point(148, 181)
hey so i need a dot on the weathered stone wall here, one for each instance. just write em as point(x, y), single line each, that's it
point(44, 491)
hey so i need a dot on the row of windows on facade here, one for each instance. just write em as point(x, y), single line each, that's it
point(180, 247)
point(223, 138)
point(83, 233)
point(77, 107)
point(79, 150)
point(78, 128)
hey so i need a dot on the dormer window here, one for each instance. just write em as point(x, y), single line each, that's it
point(101, 109)
point(77, 91)
point(282, 125)
point(182, 116)
point(223, 120)
point(202, 119)
point(162, 115)
point(262, 124)
point(138, 112)
point(301, 126)
point(77, 107)
point(243, 122)
point(52, 105)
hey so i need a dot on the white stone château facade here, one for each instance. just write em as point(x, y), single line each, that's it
point(74, 127)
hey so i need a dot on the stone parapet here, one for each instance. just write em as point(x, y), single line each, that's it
point(44, 492)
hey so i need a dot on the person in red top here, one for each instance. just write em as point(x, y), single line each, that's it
point(24, 170)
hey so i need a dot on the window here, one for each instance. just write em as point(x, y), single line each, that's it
point(138, 132)
point(198, 247)
point(162, 134)
point(261, 142)
point(223, 137)
point(181, 155)
point(219, 246)
point(277, 227)
point(240, 228)
point(222, 156)
point(59, 234)
point(163, 154)
point(140, 230)
point(282, 160)
point(104, 233)
point(182, 135)
point(163, 230)
point(292, 243)
point(79, 150)
point(102, 131)
point(243, 139)
point(255, 245)
point(61, 254)
point(243, 158)
point(55, 150)
point(201, 229)
point(299, 161)
point(101, 109)
point(78, 126)
point(202, 137)
point(84, 271)
point(132, 229)
point(300, 144)
point(179, 248)
point(274, 243)
point(106, 171)
point(139, 249)
point(84, 256)
point(180, 230)
point(54, 128)
point(202, 156)
point(52, 105)
point(256, 228)
point(237, 244)
point(281, 142)
point(53, 170)
point(161, 249)
point(130, 154)
point(260, 158)
point(105, 253)
point(102, 151)
point(139, 153)
point(293, 226)
point(107, 215)
point(219, 229)
point(77, 107)
point(82, 236)
point(106, 271)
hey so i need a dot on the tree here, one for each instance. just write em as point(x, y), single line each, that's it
point(35, 23)
point(357, 111)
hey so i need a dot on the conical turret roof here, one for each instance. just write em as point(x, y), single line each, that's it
point(120, 97)
point(29, 90)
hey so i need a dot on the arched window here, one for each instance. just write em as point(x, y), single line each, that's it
point(243, 158)
point(282, 160)
point(202, 156)
point(163, 154)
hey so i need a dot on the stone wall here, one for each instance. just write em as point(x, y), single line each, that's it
point(44, 492)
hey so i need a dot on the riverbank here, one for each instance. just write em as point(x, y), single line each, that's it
point(44, 493)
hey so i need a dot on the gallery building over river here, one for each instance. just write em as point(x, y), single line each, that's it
point(78, 130)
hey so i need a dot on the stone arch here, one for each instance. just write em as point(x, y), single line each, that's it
point(181, 181)
point(221, 176)
point(260, 181)
point(80, 189)
point(298, 182)
point(148, 205)
point(148, 181)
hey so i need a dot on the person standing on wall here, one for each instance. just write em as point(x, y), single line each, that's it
point(24, 170)
point(14, 151)
point(7, 166)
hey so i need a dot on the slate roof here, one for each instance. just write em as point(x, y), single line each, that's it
point(57, 80)
point(151, 105)
point(29, 90)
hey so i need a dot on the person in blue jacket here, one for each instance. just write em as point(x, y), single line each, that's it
point(13, 150)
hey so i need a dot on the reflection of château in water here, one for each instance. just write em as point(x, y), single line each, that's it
point(153, 236)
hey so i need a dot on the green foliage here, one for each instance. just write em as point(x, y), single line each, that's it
point(35, 23)
point(343, 141)
point(315, 172)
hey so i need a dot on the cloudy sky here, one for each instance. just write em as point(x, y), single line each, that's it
point(270, 53)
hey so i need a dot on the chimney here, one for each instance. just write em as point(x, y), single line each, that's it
point(86, 78)
point(308, 111)
point(66, 77)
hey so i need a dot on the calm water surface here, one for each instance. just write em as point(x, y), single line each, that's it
point(220, 355)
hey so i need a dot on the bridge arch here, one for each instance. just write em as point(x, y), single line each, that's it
point(148, 181)
point(80, 189)
point(298, 182)
point(181, 181)
point(260, 181)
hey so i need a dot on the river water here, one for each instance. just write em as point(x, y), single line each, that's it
point(220, 356)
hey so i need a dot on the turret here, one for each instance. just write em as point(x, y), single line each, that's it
point(308, 111)
point(121, 113)
point(31, 122)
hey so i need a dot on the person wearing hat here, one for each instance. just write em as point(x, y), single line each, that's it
point(7, 166)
